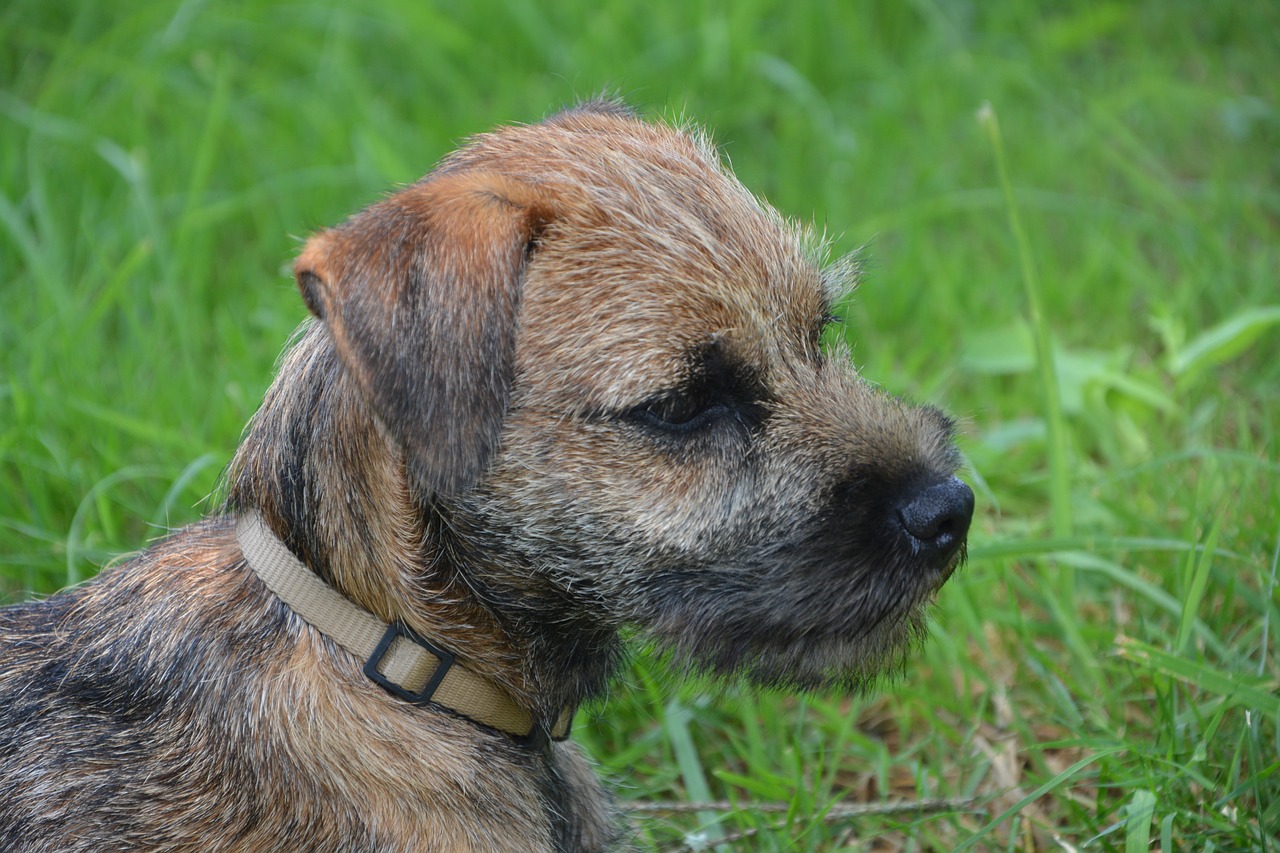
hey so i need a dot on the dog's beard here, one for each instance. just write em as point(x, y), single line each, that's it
point(813, 624)
point(846, 663)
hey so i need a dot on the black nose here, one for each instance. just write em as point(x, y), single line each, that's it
point(938, 515)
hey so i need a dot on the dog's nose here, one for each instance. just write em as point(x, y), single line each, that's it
point(937, 516)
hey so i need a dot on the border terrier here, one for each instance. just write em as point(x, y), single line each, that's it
point(569, 382)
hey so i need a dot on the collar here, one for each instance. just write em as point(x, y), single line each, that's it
point(402, 662)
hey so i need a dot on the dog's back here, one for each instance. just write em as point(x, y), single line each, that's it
point(162, 706)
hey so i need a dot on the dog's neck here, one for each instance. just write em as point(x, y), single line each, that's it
point(324, 474)
point(403, 662)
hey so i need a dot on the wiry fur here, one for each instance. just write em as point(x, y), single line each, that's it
point(567, 383)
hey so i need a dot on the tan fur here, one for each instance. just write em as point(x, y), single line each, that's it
point(567, 383)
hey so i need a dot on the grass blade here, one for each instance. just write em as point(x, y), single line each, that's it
point(676, 722)
point(1059, 465)
point(1138, 823)
point(1224, 341)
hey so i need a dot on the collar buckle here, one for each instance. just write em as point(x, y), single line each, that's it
point(420, 697)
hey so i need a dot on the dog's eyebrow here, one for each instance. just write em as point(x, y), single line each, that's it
point(837, 275)
point(711, 366)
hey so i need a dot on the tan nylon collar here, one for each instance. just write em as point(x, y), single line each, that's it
point(409, 666)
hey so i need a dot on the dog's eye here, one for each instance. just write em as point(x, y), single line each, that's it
point(679, 413)
point(716, 392)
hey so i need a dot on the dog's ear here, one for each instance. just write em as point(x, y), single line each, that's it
point(420, 294)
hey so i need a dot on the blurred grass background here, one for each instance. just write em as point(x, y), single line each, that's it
point(1106, 323)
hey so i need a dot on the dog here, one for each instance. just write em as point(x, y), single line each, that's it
point(571, 382)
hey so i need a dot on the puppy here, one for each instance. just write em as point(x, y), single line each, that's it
point(569, 382)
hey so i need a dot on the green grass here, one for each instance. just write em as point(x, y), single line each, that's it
point(1094, 292)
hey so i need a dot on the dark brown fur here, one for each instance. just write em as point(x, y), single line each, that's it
point(568, 382)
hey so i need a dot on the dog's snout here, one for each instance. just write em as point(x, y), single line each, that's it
point(938, 515)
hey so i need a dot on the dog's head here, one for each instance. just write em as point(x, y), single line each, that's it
point(600, 357)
